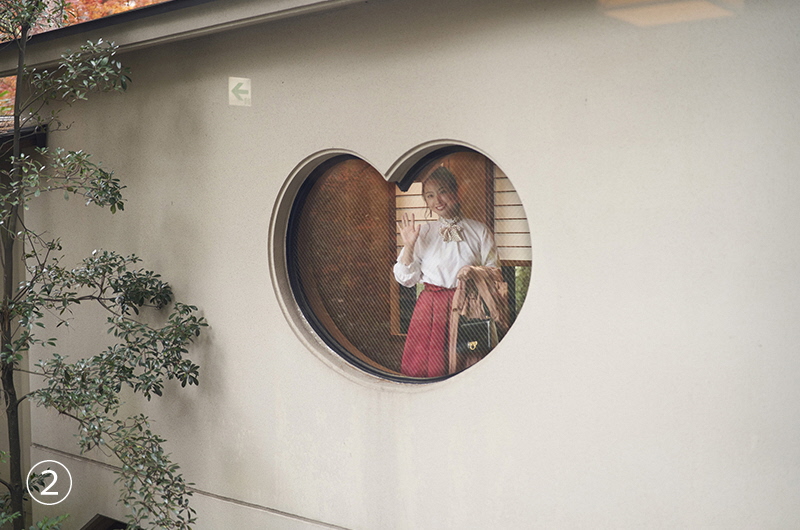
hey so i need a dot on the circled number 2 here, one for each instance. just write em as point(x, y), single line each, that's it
point(50, 475)
point(47, 491)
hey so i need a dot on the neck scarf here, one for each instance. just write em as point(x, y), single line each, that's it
point(450, 230)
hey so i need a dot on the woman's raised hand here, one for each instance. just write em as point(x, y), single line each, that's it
point(409, 231)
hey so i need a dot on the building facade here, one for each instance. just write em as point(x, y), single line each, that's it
point(650, 377)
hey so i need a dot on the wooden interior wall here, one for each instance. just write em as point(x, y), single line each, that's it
point(346, 256)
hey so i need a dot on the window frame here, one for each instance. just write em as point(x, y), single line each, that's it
point(291, 249)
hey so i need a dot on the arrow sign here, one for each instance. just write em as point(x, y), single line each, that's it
point(239, 91)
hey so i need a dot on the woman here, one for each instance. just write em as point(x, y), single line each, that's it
point(433, 253)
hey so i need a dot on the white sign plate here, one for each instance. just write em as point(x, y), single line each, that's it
point(239, 91)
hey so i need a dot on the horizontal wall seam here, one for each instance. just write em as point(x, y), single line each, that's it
point(209, 494)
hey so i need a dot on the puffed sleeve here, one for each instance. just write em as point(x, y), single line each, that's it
point(488, 249)
point(411, 274)
point(407, 275)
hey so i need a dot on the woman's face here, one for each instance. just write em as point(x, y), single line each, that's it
point(440, 198)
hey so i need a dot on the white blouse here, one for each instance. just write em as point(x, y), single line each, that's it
point(437, 262)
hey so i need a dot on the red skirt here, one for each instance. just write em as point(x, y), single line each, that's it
point(425, 352)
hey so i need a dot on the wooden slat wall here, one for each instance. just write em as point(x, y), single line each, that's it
point(511, 232)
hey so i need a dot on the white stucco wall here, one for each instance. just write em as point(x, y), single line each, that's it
point(652, 379)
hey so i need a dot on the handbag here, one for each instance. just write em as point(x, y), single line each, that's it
point(478, 318)
point(476, 336)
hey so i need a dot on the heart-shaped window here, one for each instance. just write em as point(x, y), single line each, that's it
point(431, 310)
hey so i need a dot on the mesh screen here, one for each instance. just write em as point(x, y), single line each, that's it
point(345, 243)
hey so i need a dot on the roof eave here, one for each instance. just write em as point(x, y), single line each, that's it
point(161, 23)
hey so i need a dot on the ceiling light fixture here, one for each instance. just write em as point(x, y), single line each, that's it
point(648, 13)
